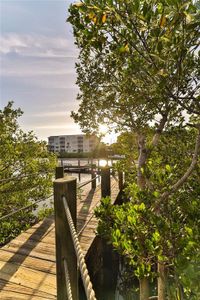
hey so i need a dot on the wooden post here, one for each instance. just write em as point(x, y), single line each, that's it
point(120, 176)
point(98, 170)
point(79, 170)
point(105, 182)
point(94, 182)
point(59, 172)
point(64, 245)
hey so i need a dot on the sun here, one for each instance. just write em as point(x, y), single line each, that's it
point(103, 129)
point(108, 136)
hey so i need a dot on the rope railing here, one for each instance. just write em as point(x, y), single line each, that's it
point(67, 281)
point(23, 208)
point(68, 249)
point(87, 182)
point(80, 257)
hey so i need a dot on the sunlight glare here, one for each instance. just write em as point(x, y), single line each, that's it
point(103, 129)
point(103, 163)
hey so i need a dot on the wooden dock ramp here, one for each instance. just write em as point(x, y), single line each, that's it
point(27, 263)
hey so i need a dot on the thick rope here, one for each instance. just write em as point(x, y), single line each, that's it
point(80, 257)
point(87, 182)
point(67, 281)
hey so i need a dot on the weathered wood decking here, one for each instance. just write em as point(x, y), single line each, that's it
point(27, 263)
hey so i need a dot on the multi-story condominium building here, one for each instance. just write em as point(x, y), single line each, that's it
point(72, 143)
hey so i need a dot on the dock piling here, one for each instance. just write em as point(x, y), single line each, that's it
point(105, 182)
point(64, 245)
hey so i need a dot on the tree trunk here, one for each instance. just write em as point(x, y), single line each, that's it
point(161, 281)
point(141, 181)
point(144, 289)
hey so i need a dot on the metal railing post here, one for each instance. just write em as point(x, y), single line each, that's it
point(64, 245)
point(105, 182)
point(59, 172)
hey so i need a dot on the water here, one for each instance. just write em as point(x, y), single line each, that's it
point(85, 161)
point(48, 203)
point(81, 178)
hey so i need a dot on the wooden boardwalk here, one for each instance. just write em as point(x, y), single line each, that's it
point(27, 263)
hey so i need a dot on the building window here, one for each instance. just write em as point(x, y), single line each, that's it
point(80, 139)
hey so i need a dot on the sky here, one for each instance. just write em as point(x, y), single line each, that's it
point(37, 65)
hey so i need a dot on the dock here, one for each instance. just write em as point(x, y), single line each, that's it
point(28, 263)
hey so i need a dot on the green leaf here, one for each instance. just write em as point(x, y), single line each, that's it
point(188, 230)
point(156, 236)
point(142, 207)
point(156, 194)
point(117, 233)
point(168, 168)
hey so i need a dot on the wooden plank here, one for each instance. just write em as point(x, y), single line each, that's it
point(86, 240)
point(32, 230)
point(35, 239)
point(28, 261)
point(36, 252)
point(89, 235)
point(84, 218)
point(93, 221)
point(88, 231)
point(29, 278)
point(11, 291)
point(41, 248)
point(47, 221)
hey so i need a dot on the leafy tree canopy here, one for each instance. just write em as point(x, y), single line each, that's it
point(138, 60)
point(26, 170)
point(138, 71)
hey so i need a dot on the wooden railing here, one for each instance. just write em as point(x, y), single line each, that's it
point(67, 255)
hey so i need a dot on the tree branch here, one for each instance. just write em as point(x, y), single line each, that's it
point(159, 130)
point(189, 109)
point(183, 179)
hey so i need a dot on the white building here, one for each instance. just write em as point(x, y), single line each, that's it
point(72, 143)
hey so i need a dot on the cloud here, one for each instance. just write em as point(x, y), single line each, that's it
point(51, 114)
point(34, 69)
point(43, 131)
point(37, 45)
point(37, 55)
point(70, 105)
point(56, 126)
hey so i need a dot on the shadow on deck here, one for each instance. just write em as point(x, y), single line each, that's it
point(27, 263)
